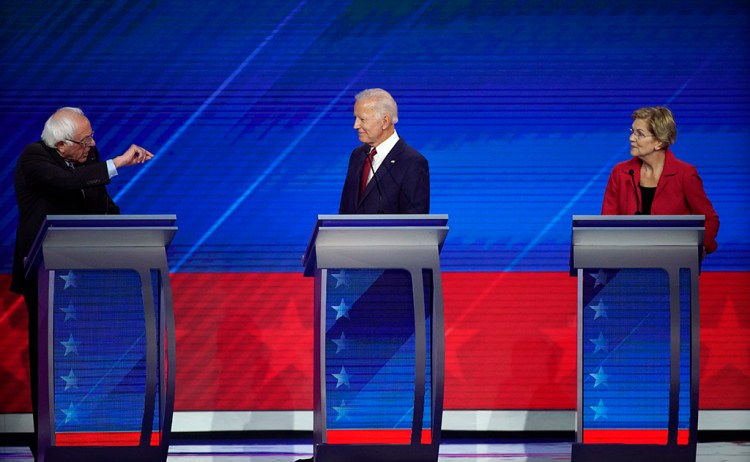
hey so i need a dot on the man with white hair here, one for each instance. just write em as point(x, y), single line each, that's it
point(385, 174)
point(59, 175)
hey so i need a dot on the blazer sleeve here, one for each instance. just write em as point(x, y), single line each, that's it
point(610, 204)
point(699, 204)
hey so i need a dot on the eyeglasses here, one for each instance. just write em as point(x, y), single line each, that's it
point(84, 143)
point(639, 134)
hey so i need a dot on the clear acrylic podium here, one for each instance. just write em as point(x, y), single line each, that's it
point(638, 337)
point(106, 337)
point(379, 337)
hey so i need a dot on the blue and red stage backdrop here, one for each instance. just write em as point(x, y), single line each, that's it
point(522, 109)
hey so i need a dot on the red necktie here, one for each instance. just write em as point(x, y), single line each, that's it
point(366, 172)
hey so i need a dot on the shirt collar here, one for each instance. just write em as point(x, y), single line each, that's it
point(385, 147)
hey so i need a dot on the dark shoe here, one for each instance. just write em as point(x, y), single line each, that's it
point(311, 459)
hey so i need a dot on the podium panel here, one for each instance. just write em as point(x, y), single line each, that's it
point(100, 379)
point(106, 338)
point(637, 337)
point(371, 357)
point(379, 337)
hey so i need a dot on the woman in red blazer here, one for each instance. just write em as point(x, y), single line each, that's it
point(654, 181)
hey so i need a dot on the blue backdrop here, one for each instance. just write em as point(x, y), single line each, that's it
point(521, 107)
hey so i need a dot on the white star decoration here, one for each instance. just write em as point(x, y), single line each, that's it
point(600, 410)
point(342, 310)
point(340, 343)
point(342, 378)
point(600, 343)
point(71, 346)
point(70, 312)
point(70, 280)
point(341, 279)
point(600, 310)
point(70, 413)
point(71, 381)
point(600, 378)
point(342, 411)
point(600, 278)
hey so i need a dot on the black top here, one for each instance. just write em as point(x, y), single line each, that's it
point(647, 198)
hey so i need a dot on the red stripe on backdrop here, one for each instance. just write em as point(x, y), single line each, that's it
point(633, 436)
point(370, 436)
point(244, 341)
point(375, 436)
point(103, 439)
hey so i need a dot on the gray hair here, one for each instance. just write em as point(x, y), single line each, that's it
point(60, 126)
point(383, 102)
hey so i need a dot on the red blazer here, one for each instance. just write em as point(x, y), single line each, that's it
point(679, 192)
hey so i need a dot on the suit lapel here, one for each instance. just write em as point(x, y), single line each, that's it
point(390, 160)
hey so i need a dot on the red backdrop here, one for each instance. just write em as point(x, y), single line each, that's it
point(244, 342)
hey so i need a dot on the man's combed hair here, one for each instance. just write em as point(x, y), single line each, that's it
point(60, 126)
point(383, 102)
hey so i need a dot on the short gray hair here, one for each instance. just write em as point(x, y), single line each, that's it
point(383, 102)
point(60, 126)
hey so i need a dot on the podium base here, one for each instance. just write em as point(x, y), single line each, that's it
point(632, 452)
point(376, 453)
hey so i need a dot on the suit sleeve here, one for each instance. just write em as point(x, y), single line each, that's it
point(415, 193)
point(45, 174)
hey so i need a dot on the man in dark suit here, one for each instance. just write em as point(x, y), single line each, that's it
point(59, 175)
point(385, 174)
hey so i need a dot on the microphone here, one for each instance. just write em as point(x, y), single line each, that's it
point(377, 183)
point(635, 190)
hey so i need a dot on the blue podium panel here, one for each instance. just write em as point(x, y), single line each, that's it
point(626, 355)
point(370, 358)
point(627, 368)
point(99, 362)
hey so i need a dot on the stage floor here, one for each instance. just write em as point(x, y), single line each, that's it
point(449, 452)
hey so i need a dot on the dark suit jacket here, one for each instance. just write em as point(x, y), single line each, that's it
point(45, 185)
point(400, 185)
point(679, 192)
